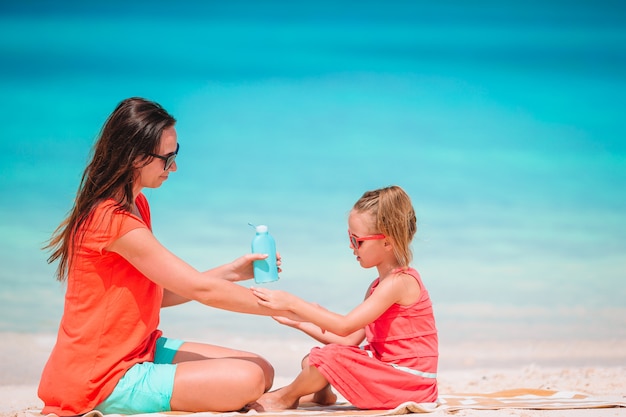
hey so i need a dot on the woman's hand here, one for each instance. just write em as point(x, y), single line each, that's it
point(242, 268)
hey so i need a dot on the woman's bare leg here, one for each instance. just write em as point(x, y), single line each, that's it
point(214, 378)
point(216, 385)
point(190, 351)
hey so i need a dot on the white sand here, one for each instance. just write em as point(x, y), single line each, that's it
point(597, 368)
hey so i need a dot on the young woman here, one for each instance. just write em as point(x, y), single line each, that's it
point(109, 353)
point(399, 362)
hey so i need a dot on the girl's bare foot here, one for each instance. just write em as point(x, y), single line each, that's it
point(275, 401)
point(251, 406)
point(325, 396)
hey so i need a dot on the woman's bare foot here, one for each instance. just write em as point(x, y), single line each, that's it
point(325, 396)
point(274, 401)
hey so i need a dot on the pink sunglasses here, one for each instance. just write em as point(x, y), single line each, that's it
point(355, 240)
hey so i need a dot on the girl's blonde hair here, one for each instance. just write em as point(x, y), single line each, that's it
point(394, 216)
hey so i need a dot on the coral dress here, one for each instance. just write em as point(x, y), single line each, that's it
point(398, 364)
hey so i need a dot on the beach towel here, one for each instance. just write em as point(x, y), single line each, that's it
point(523, 398)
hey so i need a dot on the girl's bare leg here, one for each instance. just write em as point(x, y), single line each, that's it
point(309, 381)
point(213, 378)
point(325, 396)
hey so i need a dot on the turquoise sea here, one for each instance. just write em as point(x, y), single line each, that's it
point(504, 121)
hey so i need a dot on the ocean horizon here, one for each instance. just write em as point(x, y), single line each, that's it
point(502, 122)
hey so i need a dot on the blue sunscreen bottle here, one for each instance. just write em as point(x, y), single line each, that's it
point(265, 270)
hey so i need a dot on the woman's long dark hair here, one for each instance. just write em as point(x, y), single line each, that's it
point(130, 133)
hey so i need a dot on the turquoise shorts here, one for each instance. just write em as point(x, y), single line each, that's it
point(146, 387)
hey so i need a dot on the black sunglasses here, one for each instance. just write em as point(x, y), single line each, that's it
point(169, 158)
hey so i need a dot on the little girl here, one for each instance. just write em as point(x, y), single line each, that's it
point(399, 361)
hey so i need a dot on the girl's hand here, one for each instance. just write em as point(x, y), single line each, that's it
point(287, 322)
point(296, 322)
point(276, 300)
point(303, 325)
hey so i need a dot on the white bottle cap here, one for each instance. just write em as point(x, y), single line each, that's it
point(261, 228)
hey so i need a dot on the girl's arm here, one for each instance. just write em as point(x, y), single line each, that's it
point(398, 288)
point(213, 288)
point(326, 337)
point(353, 339)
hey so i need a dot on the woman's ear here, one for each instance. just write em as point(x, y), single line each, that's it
point(139, 162)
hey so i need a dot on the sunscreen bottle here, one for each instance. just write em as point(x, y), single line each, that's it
point(265, 270)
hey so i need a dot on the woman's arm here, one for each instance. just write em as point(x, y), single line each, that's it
point(213, 288)
point(238, 270)
point(171, 299)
